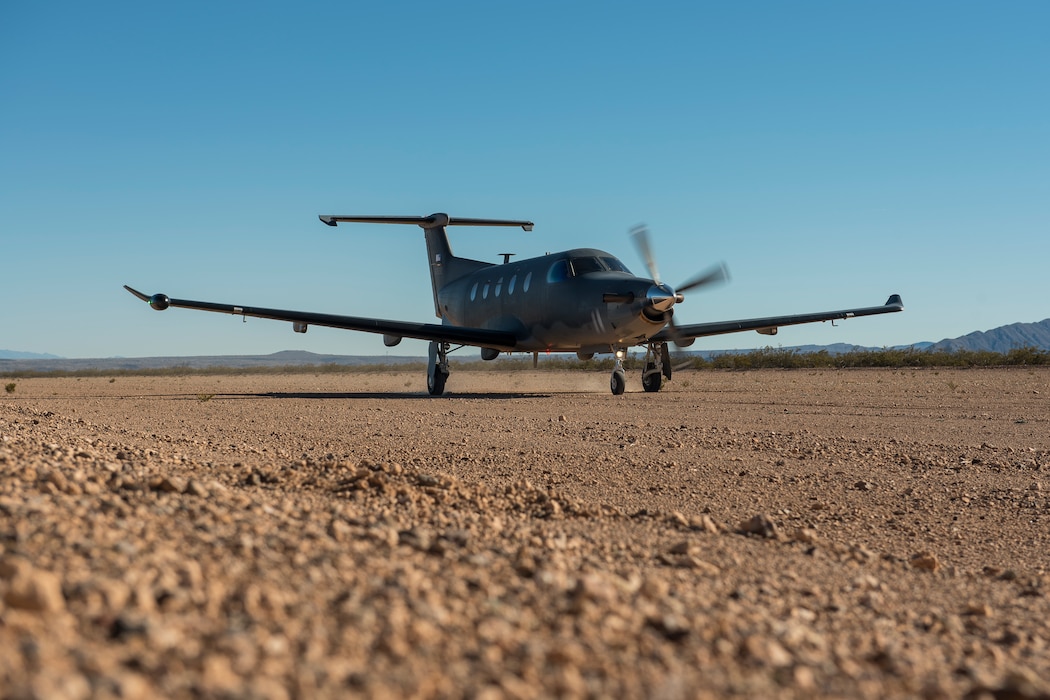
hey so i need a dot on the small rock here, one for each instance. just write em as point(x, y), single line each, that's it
point(705, 523)
point(196, 488)
point(758, 525)
point(594, 587)
point(925, 561)
point(978, 610)
point(36, 591)
point(673, 627)
point(339, 530)
point(805, 535)
point(168, 484)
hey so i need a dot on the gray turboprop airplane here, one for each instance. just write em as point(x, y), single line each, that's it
point(582, 300)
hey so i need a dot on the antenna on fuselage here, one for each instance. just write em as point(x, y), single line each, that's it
point(506, 257)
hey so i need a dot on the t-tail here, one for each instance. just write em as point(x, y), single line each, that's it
point(444, 266)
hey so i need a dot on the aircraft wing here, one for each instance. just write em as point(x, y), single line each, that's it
point(769, 324)
point(480, 337)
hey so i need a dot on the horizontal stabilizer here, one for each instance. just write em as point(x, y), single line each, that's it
point(432, 221)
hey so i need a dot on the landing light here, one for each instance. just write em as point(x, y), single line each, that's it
point(620, 354)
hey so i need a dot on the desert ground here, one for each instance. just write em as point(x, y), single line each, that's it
point(803, 533)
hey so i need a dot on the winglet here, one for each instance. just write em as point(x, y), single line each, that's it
point(137, 293)
point(895, 300)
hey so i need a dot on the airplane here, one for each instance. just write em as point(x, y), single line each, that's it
point(582, 300)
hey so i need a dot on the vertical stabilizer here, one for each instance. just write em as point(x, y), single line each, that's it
point(444, 266)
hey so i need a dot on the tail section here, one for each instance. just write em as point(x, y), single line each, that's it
point(444, 266)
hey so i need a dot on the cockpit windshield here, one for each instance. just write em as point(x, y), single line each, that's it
point(614, 264)
point(586, 264)
point(581, 266)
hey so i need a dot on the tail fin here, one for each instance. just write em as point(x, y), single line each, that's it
point(444, 266)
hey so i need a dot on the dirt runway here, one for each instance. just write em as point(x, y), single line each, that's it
point(803, 533)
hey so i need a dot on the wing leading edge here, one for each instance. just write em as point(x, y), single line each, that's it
point(769, 324)
point(480, 337)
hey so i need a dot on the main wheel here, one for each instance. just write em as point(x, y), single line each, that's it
point(436, 382)
point(651, 379)
point(617, 382)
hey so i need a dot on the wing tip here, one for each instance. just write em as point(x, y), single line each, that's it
point(137, 293)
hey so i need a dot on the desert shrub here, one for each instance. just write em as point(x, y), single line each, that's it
point(10, 387)
point(762, 358)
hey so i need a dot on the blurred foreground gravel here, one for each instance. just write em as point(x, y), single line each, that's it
point(758, 534)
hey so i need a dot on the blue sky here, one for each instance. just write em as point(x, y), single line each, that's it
point(831, 153)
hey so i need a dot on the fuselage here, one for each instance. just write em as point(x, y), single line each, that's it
point(556, 302)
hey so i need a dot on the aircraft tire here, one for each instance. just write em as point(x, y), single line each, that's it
point(617, 382)
point(436, 382)
point(651, 381)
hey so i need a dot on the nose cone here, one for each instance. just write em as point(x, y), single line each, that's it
point(660, 297)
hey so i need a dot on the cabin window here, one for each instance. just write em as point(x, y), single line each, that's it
point(485, 291)
point(527, 282)
point(474, 292)
point(510, 285)
point(558, 272)
point(499, 285)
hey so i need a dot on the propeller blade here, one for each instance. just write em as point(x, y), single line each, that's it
point(640, 236)
point(712, 275)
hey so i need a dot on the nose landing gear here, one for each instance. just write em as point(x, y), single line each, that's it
point(618, 380)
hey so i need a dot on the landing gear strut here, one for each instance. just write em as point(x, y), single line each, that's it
point(437, 368)
point(657, 366)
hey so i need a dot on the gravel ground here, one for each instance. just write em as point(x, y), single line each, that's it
point(801, 533)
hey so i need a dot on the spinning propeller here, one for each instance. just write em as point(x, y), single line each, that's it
point(662, 297)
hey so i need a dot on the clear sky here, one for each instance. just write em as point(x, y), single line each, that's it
point(831, 153)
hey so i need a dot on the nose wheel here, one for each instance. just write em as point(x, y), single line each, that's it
point(617, 382)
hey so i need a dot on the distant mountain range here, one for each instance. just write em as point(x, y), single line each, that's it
point(47, 363)
point(15, 355)
point(1002, 339)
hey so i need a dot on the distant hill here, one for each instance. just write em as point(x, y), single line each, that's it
point(277, 359)
point(15, 355)
point(1002, 339)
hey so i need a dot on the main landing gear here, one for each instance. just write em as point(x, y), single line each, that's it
point(655, 368)
point(437, 368)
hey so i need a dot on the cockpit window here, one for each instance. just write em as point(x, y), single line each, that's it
point(614, 264)
point(559, 271)
point(581, 266)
